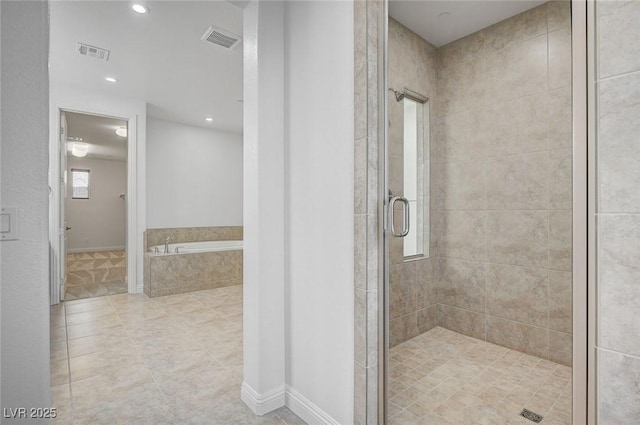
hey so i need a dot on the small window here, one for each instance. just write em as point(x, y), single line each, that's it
point(416, 174)
point(79, 184)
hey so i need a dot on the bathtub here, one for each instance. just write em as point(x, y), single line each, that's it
point(208, 246)
point(192, 266)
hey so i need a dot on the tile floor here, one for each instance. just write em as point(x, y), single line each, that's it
point(123, 359)
point(444, 378)
point(95, 274)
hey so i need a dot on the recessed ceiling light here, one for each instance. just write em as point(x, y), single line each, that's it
point(121, 131)
point(138, 8)
point(209, 119)
point(111, 79)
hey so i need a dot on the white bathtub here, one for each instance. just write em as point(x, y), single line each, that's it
point(208, 246)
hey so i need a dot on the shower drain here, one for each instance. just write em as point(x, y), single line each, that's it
point(528, 414)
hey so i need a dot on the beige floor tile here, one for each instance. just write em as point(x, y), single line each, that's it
point(128, 411)
point(59, 372)
point(92, 316)
point(111, 384)
point(58, 350)
point(96, 363)
point(98, 327)
point(179, 356)
point(472, 381)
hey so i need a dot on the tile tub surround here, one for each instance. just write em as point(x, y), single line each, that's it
point(95, 274)
point(617, 82)
point(129, 359)
point(192, 234)
point(442, 377)
point(168, 274)
point(179, 273)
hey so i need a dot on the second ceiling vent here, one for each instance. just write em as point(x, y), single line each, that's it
point(222, 38)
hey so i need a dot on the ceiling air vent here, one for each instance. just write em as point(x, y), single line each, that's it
point(93, 52)
point(221, 37)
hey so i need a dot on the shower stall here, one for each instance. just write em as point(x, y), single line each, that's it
point(478, 251)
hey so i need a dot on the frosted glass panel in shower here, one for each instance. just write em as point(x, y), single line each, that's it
point(414, 172)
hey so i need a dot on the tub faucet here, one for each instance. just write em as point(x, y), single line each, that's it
point(166, 244)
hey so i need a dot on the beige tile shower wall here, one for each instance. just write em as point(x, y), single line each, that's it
point(412, 65)
point(193, 234)
point(368, 37)
point(501, 183)
point(617, 87)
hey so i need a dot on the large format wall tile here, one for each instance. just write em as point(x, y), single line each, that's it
point(618, 389)
point(560, 253)
point(518, 336)
point(618, 37)
point(560, 58)
point(465, 49)
point(560, 348)
point(460, 136)
point(459, 185)
point(560, 187)
point(519, 238)
point(518, 70)
point(462, 86)
point(425, 283)
point(558, 14)
point(466, 322)
point(619, 283)
point(412, 65)
point(402, 292)
point(518, 182)
point(502, 183)
point(522, 27)
point(463, 235)
point(518, 126)
point(518, 293)
point(619, 144)
point(560, 301)
point(461, 284)
point(558, 104)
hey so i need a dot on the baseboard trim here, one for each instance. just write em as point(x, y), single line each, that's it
point(306, 410)
point(100, 249)
point(262, 404)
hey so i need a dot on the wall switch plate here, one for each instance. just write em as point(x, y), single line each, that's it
point(8, 224)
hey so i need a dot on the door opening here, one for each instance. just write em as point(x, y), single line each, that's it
point(93, 205)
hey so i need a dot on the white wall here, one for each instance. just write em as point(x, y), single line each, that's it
point(100, 221)
point(319, 135)
point(194, 176)
point(24, 263)
point(264, 208)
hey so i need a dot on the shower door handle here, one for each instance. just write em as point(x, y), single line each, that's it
point(392, 213)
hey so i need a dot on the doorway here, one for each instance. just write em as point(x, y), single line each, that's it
point(94, 205)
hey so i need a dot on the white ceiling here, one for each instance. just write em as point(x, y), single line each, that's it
point(157, 57)
point(99, 133)
point(465, 17)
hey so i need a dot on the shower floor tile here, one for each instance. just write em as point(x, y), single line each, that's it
point(445, 378)
point(130, 359)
